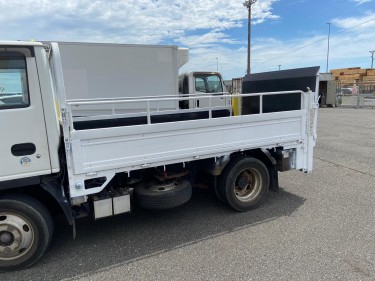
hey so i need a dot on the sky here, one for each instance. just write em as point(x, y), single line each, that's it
point(285, 33)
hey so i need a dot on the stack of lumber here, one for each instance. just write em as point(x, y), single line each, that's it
point(353, 75)
point(370, 75)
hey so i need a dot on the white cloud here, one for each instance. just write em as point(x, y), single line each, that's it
point(132, 21)
point(204, 26)
point(208, 39)
point(359, 2)
point(348, 48)
point(363, 22)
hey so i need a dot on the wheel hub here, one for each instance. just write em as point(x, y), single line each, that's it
point(243, 183)
point(6, 238)
point(247, 185)
point(16, 236)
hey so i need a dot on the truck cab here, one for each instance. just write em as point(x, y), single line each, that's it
point(204, 84)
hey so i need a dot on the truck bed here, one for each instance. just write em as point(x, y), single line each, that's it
point(126, 145)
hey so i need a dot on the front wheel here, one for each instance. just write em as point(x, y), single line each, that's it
point(244, 183)
point(26, 228)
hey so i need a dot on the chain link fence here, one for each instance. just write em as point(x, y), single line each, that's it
point(361, 94)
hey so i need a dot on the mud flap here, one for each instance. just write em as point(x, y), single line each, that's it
point(274, 178)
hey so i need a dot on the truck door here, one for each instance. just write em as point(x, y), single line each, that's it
point(209, 84)
point(23, 140)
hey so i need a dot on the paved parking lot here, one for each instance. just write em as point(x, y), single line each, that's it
point(319, 227)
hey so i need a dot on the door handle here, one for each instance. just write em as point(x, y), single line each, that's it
point(22, 149)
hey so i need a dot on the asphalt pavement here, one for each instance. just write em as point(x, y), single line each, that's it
point(318, 227)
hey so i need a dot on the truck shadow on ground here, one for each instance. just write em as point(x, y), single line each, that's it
point(128, 237)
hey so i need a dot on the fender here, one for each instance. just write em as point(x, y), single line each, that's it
point(56, 191)
point(31, 184)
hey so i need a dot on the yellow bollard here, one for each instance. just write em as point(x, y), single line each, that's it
point(236, 104)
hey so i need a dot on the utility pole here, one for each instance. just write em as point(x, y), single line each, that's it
point(372, 58)
point(247, 4)
point(217, 64)
point(279, 67)
point(329, 34)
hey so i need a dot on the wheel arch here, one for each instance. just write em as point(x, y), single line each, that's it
point(49, 193)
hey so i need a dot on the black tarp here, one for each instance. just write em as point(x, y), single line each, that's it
point(276, 81)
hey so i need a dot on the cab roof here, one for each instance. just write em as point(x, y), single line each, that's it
point(20, 43)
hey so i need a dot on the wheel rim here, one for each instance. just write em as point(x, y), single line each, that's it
point(16, 236)
point(248, 184)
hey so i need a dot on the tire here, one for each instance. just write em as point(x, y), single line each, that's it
point(26, 229)
point(219, 194)
point(244, 183)
point(161, 196)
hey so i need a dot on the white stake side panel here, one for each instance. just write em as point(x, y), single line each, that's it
point(103, 152)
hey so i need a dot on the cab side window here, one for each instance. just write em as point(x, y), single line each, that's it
point(207, 83)
point(14, 92)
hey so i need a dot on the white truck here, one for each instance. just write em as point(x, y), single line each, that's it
point(59, 152)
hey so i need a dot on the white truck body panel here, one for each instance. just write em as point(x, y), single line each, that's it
point(92, 71)
point(49, 108)
point(104, 152)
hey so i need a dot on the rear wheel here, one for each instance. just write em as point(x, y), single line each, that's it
point(26, 229)
point(244, 183)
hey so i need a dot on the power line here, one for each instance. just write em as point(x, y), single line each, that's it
point(309, 44)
